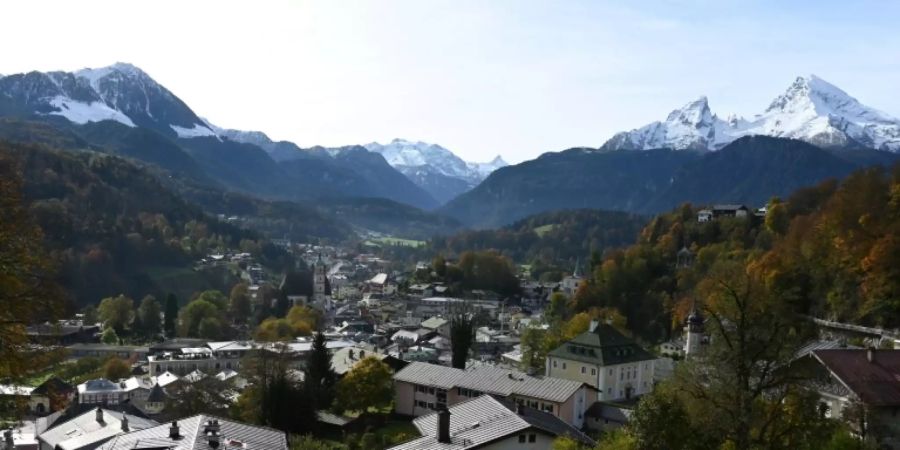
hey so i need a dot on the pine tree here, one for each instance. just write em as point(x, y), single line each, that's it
point(462, 334)
point(171, 315)
point(320, 376)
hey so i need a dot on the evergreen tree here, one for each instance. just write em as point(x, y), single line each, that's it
point(171, 315)
point(320, 376)
point(462, 334)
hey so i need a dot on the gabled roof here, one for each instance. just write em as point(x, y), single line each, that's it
point(53, 385)
point(157, 394)
point(876, 382)
point(483, 420)
point(85, 431)
point(233, 435)
point(166, 379)
point(490, 380)
point(604, 346)
point(434, 323)
point(728, 207)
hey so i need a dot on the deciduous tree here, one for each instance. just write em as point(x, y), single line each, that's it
point(367, 386)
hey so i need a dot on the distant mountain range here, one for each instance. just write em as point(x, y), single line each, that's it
point(811, 132)
point(749, 170)
point(434, 168)
point(123, 107)
point(810, 110)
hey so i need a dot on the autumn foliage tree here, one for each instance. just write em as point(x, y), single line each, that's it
point(28, 293)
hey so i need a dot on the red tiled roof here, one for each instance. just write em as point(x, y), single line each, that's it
point(876, 383)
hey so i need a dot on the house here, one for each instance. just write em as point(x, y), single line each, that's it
point(857, 382)
point(201, 432)
point(437, 325)
point(64, 332)
point(704, 215)
point(52, 395)
point(606, 360)
point(90, 429)
point(487, 422)
point(421, 388)
point(133, 352)
point(156, 400)
point(570, 284)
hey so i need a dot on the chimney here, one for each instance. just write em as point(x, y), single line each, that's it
point(9, 444)
point(870, 354)
point(174, 432)
point(443, 426)
point(212, 438)
point(124, 422)
point(594, 324)
point(99, 415)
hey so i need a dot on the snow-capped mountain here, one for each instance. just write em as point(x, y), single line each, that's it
point(486, 168)
point(811, 110)
point(120, 92)
point(409, 156)
point(434, 168)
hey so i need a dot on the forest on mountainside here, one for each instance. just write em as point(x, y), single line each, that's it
point(830, 251)
point(112, 227)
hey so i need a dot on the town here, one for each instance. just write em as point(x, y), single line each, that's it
point(412, 360)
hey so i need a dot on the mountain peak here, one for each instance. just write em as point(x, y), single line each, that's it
point(693, 113)
point(810, 109)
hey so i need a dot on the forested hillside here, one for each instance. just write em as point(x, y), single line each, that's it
point(550, 240)
point(830, 251)
point(112, 227)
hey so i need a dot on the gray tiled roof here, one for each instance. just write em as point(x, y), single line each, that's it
point(85, 431)
point(605, 346)
point(483, 420)
point(233, 435)
point(490, 380)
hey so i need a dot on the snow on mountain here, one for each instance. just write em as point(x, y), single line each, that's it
point(811, 109)
point(84, 112)
point(120, 92)
point(486, 168)
point(410, 157)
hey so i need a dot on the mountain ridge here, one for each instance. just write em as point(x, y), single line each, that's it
point(811, 110)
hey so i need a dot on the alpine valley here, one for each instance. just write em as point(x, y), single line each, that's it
point(811, 132)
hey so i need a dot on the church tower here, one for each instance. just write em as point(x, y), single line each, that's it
point(694, 333)
point(319, 281)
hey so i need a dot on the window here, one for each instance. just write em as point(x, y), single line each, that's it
point(532, 437)
point(583, 369)
point(521, 438)
point(554, 364)
point(609, 391)
point(593, 371)
point(610, 372)
point(421, 404)
point(564, 366)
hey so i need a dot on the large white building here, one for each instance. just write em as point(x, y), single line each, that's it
point(605, 359)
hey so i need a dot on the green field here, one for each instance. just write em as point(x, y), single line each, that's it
point(544, 229)
point(395, 241)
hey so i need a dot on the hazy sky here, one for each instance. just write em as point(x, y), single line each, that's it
point(516, 78)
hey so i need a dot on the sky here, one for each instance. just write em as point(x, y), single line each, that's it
point(511, 77)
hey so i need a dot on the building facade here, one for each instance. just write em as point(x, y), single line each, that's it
point(603, 358)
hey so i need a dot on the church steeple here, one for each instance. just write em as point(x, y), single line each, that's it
point(694, 331)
